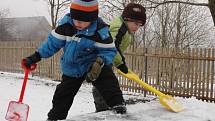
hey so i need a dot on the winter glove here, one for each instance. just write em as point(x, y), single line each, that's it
point(28, 61)
point(95, 70)
point(123, 68)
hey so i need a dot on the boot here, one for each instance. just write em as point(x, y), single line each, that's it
point(119, 109)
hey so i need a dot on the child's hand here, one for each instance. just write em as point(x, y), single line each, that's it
point(123, 68)
point(29, 61)
point(95, 70)
point(26, 63)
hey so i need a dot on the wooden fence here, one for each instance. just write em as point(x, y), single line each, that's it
point(183, 73)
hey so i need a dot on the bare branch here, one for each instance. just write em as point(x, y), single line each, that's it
point(167, 2)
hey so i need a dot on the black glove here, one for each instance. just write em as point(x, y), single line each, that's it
point(123, 68)
point(30, 60)
point(95, 70)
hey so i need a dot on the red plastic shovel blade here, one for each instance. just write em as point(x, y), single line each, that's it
point(17, 111)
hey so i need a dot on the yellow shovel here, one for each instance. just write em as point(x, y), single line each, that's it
point(166, 100)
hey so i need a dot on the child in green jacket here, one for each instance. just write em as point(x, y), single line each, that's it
point(122, 31)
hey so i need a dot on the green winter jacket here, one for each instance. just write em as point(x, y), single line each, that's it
point(122, 37)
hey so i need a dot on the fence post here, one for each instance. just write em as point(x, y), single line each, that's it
point(146, 70)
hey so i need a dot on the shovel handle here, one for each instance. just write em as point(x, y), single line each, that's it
point(132, 76)
point(26, 70)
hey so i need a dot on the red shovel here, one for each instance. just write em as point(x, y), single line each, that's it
point(18, 111)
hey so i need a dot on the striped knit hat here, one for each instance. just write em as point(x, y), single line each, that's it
point(84, 10)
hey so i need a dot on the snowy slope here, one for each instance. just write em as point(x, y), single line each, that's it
point(153, 111)
point(39, 94)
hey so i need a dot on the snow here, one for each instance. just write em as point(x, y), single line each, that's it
point(39, 92)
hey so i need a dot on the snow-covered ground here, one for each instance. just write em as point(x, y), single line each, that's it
point(39, 94)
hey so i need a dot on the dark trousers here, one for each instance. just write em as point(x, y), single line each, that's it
point(65, 92)
point(63, 97)
point(100, 103)
point(108, 87)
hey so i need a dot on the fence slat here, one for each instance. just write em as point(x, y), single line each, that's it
point(200, 75)
point(208, 74)
point(188, 73)
point(192, 73)
point(212, 92)
point(196, 72)
point(204, 74)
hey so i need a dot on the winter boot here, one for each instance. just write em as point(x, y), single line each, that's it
point(119, 109)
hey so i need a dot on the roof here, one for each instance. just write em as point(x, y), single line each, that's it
point(28, 27)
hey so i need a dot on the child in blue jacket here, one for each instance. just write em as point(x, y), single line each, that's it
point(88, 53)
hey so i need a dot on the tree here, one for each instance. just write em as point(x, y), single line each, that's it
point(181, 26)
point(55, 8)
point(210, 5)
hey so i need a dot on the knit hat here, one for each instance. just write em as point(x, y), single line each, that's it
point(135, 11)
point(84, 10)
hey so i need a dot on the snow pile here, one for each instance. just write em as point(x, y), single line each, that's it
point(39, 94)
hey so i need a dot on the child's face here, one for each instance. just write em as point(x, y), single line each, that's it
point(80, 25)
point(133, 25)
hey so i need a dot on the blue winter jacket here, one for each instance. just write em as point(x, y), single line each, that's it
point(81, 47)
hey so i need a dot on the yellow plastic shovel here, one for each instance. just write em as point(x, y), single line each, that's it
point(166, 100)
